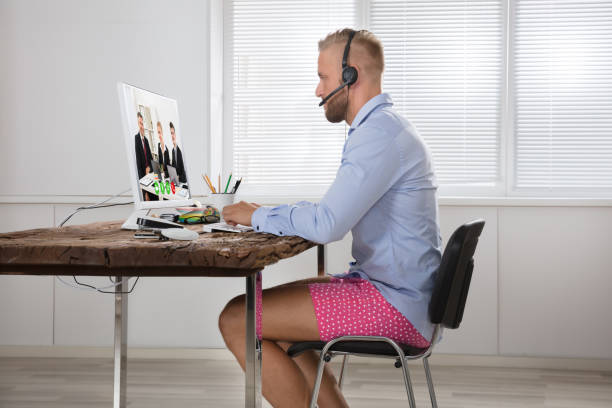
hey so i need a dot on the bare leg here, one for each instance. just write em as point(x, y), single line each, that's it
point(308, 363)
point(289, 316)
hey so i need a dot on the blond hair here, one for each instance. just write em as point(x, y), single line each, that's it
point(365, 40)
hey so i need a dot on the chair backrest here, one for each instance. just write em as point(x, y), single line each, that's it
point(454, 275)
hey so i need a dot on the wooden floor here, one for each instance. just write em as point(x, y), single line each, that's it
point(76, 382)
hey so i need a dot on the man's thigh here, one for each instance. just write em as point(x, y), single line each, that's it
point(288, 313)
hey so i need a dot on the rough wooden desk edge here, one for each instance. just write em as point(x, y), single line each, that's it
point(84, 270)
point(115, 249)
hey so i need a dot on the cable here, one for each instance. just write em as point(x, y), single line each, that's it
point(98, 205)
point(114, 285)
point(90, 288)
point(346, 111)
point(85, 286)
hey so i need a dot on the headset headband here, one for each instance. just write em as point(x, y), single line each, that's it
point(347, 48)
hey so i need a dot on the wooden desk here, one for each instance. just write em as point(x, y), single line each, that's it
point(103, 249)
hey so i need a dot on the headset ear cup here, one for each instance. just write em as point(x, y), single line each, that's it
point(349, 75)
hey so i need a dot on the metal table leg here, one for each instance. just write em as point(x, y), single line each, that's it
point(252, 398)
point(121, 304)
point(320, 260)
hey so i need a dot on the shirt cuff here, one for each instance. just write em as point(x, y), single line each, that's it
point(258, 218)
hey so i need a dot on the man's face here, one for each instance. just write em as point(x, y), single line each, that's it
point(330, 77)
point(140, 125)
point(173, 136)
point(160, 134)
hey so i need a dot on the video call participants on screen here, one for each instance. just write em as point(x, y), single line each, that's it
point(146, 163)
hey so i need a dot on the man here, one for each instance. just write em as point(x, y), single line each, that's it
point(177, 157)
point(162, 150)
point(385, 193)
point(143, 153)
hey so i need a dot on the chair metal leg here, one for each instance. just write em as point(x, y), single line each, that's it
point(342, 371)
point(317, 383)
point(432, 393)
point(327, 347)
point(408, 383)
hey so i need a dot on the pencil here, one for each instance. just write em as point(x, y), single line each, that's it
point(208, 183)
point(235, 189)
point(211, 185)
point(227, 185)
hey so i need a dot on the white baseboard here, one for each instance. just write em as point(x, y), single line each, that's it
point(223, 354)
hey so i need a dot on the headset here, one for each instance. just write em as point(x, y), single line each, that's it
point(349, 74)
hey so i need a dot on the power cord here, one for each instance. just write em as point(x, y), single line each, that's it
point(91, 288)
point(98, 205)
point(85, 286)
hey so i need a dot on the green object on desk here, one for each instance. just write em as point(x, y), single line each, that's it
point(227, 185)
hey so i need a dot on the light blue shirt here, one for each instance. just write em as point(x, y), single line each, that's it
point(385, 193)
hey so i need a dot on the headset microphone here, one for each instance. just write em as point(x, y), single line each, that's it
point(349, 74)
point(335, 91)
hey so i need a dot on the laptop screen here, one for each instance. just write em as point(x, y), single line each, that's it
point(154, 143)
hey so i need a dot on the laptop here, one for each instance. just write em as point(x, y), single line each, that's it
point(173, 175)
point(156, 168)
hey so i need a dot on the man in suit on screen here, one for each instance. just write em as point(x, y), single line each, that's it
point(177, 156)
point(163, 156)
point(143, 152)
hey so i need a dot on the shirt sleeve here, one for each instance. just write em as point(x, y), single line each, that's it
point(370, 166)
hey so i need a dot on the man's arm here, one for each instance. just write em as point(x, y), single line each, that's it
point(370, 166)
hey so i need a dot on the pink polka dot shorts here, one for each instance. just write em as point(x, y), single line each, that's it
point(354, 307)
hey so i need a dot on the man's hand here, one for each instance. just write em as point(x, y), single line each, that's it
point(148, 170)
point(239, 213)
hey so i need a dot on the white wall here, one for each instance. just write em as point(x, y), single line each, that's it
point(542, 282)
point(61, 60)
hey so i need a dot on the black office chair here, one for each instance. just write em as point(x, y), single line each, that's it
point(445, 311)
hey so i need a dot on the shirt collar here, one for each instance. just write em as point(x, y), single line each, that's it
point(364, 112)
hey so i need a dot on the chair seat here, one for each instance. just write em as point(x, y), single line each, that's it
point(379, 348)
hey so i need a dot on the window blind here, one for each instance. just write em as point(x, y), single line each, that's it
point(445, 73)
point(282, 142)
point(563, 95)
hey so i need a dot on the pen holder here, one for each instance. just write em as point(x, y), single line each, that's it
point(219, 200)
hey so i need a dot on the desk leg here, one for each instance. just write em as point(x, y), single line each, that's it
point(252, 398)
point(121, 304)
point(320, 260)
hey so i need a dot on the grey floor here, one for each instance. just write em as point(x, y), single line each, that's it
point(77, 382)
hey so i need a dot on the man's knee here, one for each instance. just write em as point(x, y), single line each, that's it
point(232, 317)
